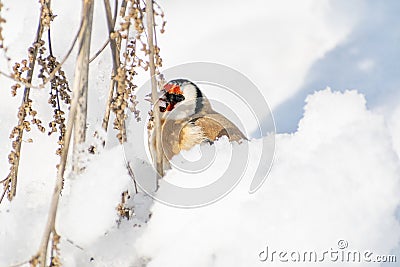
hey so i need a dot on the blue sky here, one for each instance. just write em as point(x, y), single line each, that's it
point(368, 61)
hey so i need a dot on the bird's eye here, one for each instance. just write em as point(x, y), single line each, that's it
point(174, 98)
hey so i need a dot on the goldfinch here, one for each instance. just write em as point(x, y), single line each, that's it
point(187, 119)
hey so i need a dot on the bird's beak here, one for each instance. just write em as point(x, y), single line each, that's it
point(149, 97)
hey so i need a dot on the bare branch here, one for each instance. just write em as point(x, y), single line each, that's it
point(87, 12)
point(81, 79)
point(132, 175)
point(156, 113)
point(99, 51)
point(113, 24)
point(115, 55)
point(11, 77)
point(4, 191)
point(107, 112)
point(13, 175)
point(19, 264)
point(53, 73)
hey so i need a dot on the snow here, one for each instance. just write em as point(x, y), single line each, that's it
point(341, 183)
point(86, 204)
point(336, 177)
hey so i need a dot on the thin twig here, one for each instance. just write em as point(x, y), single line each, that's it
point(49, 41)
point(51, 55)
point(53, 73)
point(115, 55)
point(56, 69)
point(88, 4)
point(122, 10)
point(113, 44)
point(132, 175)
point(4, 192)
point(13, 176)
point(75, 245)
point(156, 112)
point(108, 40)
point(20, 264)
point(26, 84)
point(107, 112)
point(126, 46)
point(121, 79)
point(99, 51)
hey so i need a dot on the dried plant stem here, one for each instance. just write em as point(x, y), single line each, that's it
point(50, 225)
point(81, 65)
point(99, 51)
point(11, 77)
point(81, 79)
point(115, 56)
point(53, 73)
point(22, 114)
point(19, 264)
point(114, 45)
point(108, 12)
point(132, 175)
point(154, 93)
point(111, 25)
point(107, 112)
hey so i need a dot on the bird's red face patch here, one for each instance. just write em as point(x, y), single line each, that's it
point(173, 89)
point(173, 95)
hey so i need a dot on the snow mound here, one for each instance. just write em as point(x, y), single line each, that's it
point(89, 210)
point(336, 178)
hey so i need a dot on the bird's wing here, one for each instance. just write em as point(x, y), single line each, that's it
point(215, 125)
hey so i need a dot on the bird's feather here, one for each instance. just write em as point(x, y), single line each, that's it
point(215, 125)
